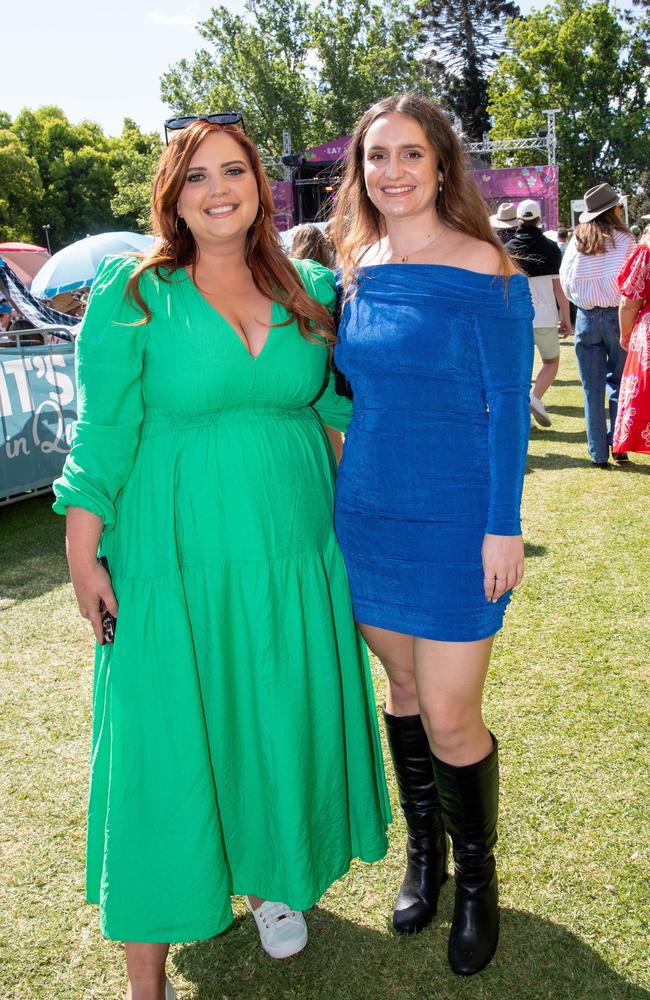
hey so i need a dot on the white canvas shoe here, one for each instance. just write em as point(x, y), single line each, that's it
point(283, 932)
point(538, 410)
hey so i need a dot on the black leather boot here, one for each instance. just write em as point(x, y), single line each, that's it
point(426, 845)
point(470, 801)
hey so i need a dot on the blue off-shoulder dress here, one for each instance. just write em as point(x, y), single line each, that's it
point(439, 360)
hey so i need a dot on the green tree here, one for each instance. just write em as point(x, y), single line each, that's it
point(135, 159)
point(578, 57)
point(21, 191)
point(72, 177)
point(464, 40)
point(288, 66)
point(363, 52)
point(75, 167)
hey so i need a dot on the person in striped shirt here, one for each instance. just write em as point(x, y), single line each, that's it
point(598, 249)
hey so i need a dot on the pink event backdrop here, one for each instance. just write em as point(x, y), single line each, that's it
point(503, 184)
point(516, 183)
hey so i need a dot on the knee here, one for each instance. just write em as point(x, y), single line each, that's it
point(450, 726)
point(402, 696)
point(552, 364)
point(401, 678)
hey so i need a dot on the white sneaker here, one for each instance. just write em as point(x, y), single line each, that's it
point(170, 992)
point(538, 410)
point(283, 932)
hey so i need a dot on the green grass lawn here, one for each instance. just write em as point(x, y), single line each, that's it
point(568, 698)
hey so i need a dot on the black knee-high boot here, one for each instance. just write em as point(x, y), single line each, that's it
point(470, 801)
point(426, 846)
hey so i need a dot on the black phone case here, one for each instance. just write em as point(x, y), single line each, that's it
point(109, 621)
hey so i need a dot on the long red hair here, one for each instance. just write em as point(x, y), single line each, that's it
point(272, 271)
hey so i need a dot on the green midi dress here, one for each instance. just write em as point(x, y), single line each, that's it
point(235, 743)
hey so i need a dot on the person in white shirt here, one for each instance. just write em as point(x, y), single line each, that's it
point(540, 259)
point(598, 249)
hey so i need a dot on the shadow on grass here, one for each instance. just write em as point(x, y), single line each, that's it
point(559, 461)
point(632, 468)
point(552, 436)
point(567, 381)
point(536, 959)
point(531, 550)
point(566, 411)
point(32, 542)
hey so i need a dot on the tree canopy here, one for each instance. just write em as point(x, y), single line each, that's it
point(312, 67)
point(579, 57)
point(291, 66)
point(464, 39)
point(71, 177)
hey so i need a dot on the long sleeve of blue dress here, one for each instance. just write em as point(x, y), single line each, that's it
point(505, 346)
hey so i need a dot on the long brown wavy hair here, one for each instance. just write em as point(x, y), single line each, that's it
point(311, 243)
point(592, 237)
point(357, 223)
point(272, 271)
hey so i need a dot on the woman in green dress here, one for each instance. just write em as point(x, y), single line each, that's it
point(235, 742)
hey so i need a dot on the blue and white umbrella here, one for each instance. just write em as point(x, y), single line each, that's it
point(75, 266)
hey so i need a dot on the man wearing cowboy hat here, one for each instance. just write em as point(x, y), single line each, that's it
point(540, 259)
point(504, 221)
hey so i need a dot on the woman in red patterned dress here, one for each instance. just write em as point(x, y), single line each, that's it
point(632, 431)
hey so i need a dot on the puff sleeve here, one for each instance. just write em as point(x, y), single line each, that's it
point(506, 346)
point(109, 396)
point(334, 410)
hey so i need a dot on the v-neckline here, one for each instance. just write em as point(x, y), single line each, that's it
point(253, 357)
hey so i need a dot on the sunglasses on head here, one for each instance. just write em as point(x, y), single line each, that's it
point(226, 118)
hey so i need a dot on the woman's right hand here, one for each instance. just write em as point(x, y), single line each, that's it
point(92, 586)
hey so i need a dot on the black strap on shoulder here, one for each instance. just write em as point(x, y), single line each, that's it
point(341, 384)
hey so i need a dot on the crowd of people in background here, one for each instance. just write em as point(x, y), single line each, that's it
point(590, 281)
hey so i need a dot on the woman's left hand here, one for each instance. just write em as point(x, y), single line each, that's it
point(503, 564)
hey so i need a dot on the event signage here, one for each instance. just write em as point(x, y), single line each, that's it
point(37, 409)
point(518, 183)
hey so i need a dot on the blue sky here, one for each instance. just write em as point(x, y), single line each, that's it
point(100, 60)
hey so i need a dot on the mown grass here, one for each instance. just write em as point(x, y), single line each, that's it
point(568, 697)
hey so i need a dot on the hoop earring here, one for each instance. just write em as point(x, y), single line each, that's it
point(179, 218)
point(258, 221)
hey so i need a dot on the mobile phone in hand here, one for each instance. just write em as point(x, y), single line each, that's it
point(109, 621)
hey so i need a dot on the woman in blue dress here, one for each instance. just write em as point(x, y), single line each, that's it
point(436, 343)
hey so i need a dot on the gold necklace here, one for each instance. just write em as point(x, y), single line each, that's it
point(404, 259)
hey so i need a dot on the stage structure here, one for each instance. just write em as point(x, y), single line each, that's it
point(315, 173)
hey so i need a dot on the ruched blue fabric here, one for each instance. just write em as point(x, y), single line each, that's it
point(439, 360)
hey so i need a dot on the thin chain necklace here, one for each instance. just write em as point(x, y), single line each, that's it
point(403, 259)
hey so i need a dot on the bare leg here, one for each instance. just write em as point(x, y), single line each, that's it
point(145, 964)
point(546, 376)
point(426, 845)
point(395, 651)
point(450, 677)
